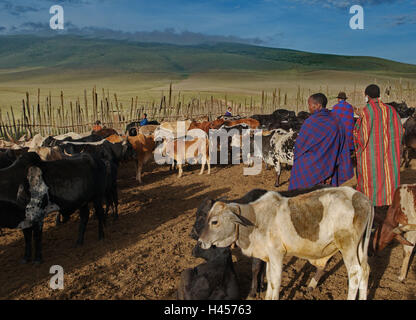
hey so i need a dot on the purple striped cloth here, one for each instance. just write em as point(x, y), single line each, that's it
point(345, 112)
point(321, 152)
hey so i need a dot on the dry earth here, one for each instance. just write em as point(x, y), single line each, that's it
point(145, 251)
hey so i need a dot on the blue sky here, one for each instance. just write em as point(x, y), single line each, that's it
point(309, 25)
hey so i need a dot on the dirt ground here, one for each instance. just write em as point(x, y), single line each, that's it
point(145, 251)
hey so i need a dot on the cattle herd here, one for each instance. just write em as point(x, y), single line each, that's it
point(67, 173)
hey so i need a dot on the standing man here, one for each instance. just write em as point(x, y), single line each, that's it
point(144, 120)
point(377, 139)
point(321, 152)
point(345, 113)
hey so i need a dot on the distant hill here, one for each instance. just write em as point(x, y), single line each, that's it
point(74, 52)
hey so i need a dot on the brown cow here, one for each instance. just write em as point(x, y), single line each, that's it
point(252, 123)
point(148, 129)
point(115, 138)
point(399, 223)
point(204, 126)
point(199, 146)
point(144, 147)
point(106, 132)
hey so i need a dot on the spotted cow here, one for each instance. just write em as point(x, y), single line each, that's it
point(277, 149)
point(313, 226)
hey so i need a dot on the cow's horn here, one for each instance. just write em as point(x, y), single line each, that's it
point(11, 139)
point(403, 241)
point(408, 227)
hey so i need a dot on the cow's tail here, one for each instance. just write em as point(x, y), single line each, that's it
point(365, 240)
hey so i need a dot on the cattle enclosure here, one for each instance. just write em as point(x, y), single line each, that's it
point(50, 115)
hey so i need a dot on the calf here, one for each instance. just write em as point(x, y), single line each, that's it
point(214, 280)
point(143, 147)
point(313, 226)
point(197, 148)
point(399, 224)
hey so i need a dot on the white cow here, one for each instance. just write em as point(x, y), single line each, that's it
point(313, 226)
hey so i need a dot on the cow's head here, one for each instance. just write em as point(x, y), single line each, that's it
point(221, 225)
point(200, 218)
point(389, 229)
point(127, 152)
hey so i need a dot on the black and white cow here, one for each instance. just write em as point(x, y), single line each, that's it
point(31, 188)
point(277, 149)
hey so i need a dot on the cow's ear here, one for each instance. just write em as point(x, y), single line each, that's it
point(237, 217)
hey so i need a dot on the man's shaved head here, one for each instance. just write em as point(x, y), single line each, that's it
point(319, 98)
point(373, 91)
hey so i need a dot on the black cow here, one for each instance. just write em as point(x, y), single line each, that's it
point(409, 141)
point(258, 266)
point(281, 119)
point(72, 185)
point(136, 124)
point(111, 154)
point(402, 109)
point(214, 280)
point(52, 142)
point(7, 158)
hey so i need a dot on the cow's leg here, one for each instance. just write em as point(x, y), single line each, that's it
point(269, 286)
point(278, 170)
point(115, 203)
point(407, 252)
point(139, 171)
point(100, 215)
point(27, 233)
point(58, 219)
point(209, 165)
point(202, 166)
point(84, 214)
point(257, 272)
point(407, 158)
point(320, 267)
point(37, 237)
point(404, 156)
point(275, 276)
point(354, 270)
point(180, 169)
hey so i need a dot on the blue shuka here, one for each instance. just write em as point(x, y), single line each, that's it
point(345, 113)
point(321, 152)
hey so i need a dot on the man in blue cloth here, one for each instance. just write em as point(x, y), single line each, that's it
point(321, 154)
point(144, 120)
point(345, 113)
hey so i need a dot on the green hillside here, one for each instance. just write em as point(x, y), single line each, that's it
point(71, 52)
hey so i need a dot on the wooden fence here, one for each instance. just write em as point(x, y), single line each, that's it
point(58, 117)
